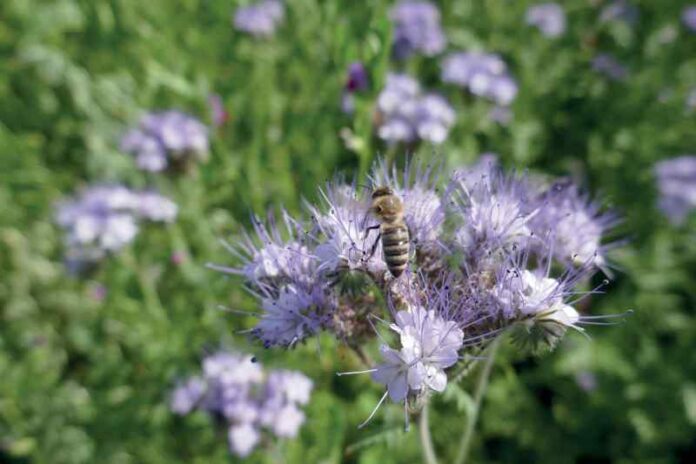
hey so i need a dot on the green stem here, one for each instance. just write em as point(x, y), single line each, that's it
point(481, 387)
point(426, 440)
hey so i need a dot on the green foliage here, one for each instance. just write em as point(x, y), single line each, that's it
point(86, 380)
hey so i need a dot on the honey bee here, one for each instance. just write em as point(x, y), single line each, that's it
point(388, 209)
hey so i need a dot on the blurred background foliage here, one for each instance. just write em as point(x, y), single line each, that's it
point(85, 377)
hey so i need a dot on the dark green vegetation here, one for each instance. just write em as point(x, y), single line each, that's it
point(86, 381)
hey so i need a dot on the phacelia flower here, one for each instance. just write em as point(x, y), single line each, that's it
point(608, 65)
point(494, 213)
point(429, 345)
point(165, 139)
point(407, 115)
point(689, 17)
point(619, 10)
point(250, 399)
point(676, 182)
point(104, 218)
point(260, 19)
point(573, 224)
point(417, 29)
point(493, 253)
point(483, 74)
point(549, 18)
point(357, 81)
point(290, 317)
point(537, 303)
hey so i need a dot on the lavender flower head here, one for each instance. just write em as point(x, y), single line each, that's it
point(608, 65)
point(619, 10)
point(165, 139)
point(417, 29)
point(260, 19)
point(549, 18)
point(483, 74)
point(357, 81)
point(405, 114)
point(489, 253)
point(104, 218)
point(250, 399)
point(573, 224)
point(689, 17)
point(676, 182)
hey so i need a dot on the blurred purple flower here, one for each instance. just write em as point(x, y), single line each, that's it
point(607, 65)
point(549, 18)
point(483, 74)
point(357, 81)
point(218, 113)
point(676, 182)
point(162, 138)
point(237, 388)
point(619, 10)
point(586, 380)
point(407, 115)
point(689, 17)
point(103, 218)
point(417, 29)
point(260, 19)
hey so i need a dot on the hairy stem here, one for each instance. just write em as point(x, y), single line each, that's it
point(425, 438)
point(482, 385)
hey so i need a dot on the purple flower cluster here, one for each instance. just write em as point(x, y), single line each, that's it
point(676, 182)
point(689, 17)
point(405, 114)
point(489, 253)
point(483, 74)
point(619, 10)
point(417, 29)
point(104, 218)
point(357, 81)
point(549, 18)
point(166, 138)
point(608, 65)
point(260, 19)
point(248, 398)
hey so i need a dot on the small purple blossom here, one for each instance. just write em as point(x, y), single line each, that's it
point(357, 81)
point(249, 398)
point(187, 395)
point(417, 29)
point(586, 380)
point(483, 74)
point(165, 138)
point(676, 182)
point(429, 345)
point(574, 225)
point(260, 19)
point(608, 65)
point(407, 115)
point(619, 10)
point(104, 218)
point(689, 17)
point(218, 113)
point(549, 18)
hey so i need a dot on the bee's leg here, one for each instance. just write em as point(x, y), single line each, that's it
point(374, 247)
point(369, 229)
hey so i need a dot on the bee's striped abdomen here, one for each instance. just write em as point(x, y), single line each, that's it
point(395, 245)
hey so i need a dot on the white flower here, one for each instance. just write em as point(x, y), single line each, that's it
point(243, 438)
point(429, 345)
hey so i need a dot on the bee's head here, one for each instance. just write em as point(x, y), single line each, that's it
point(386, 206)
